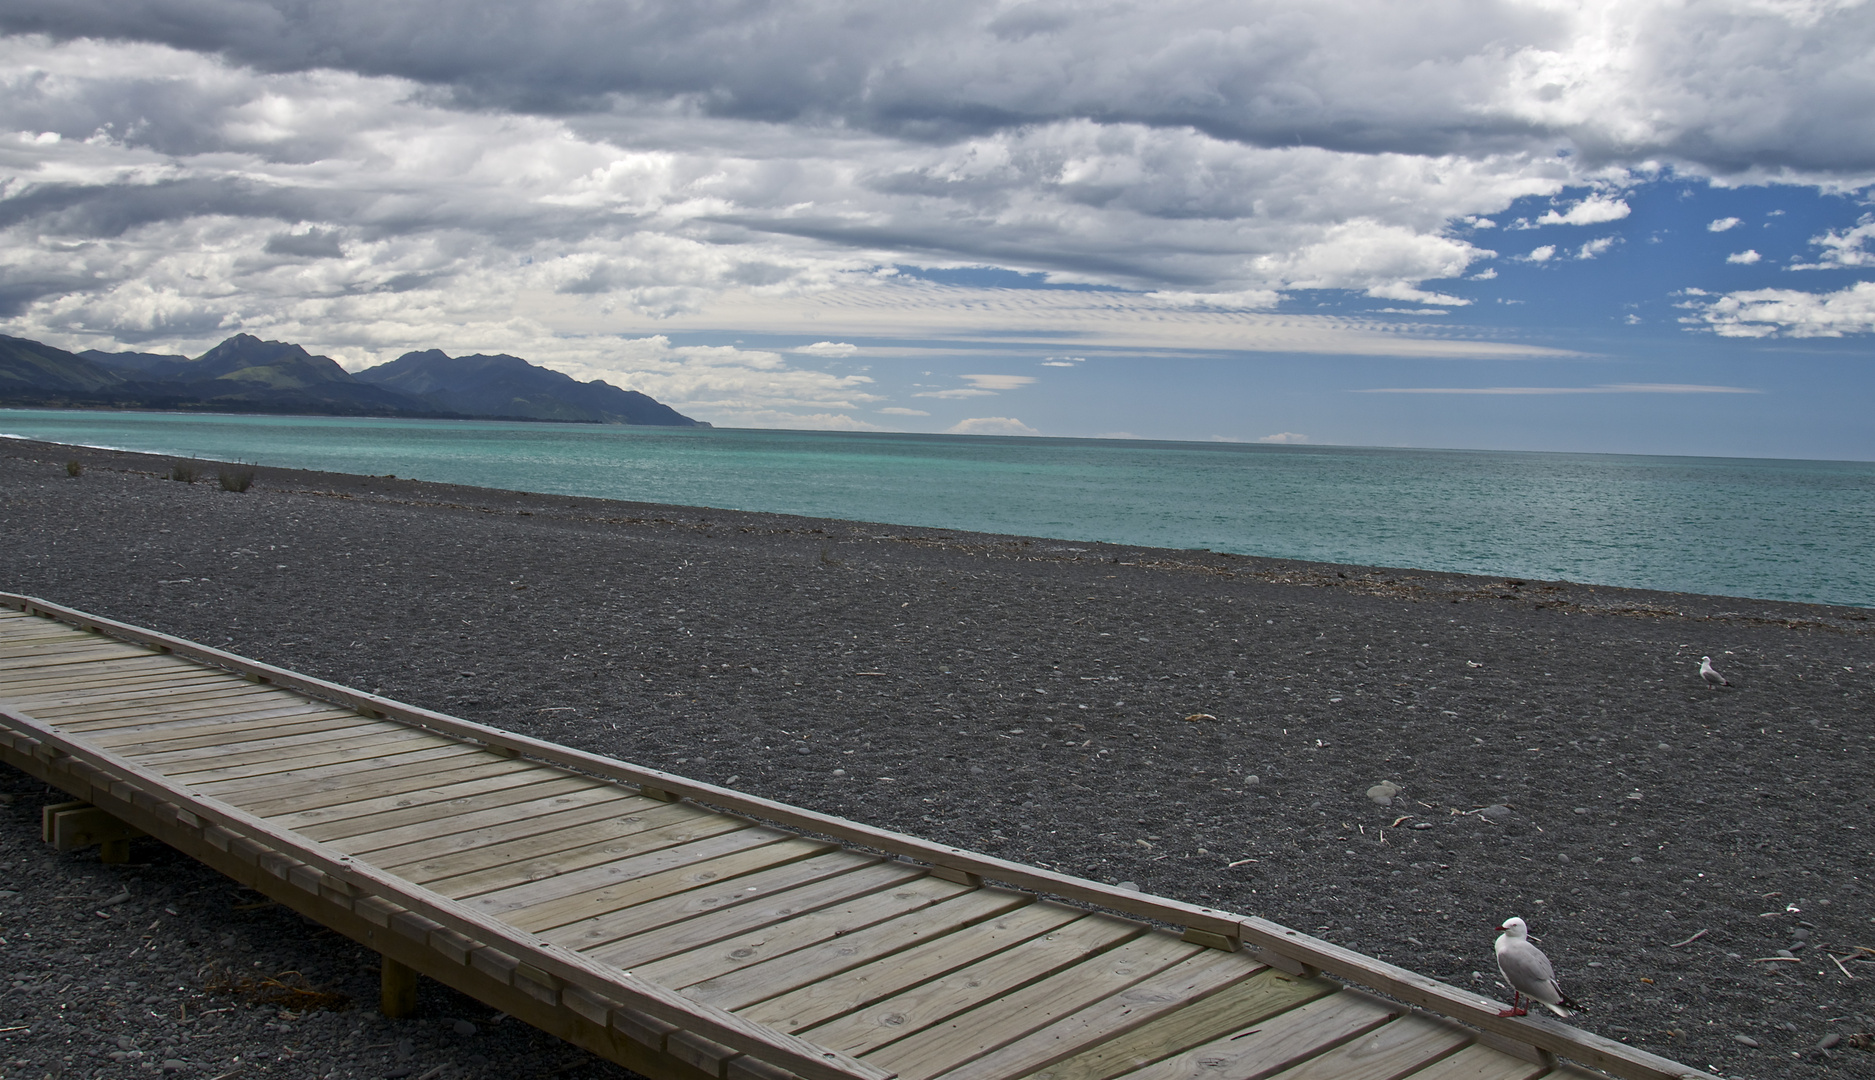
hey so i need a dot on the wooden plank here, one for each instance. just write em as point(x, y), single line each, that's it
point(743, 950)
point(102, 709)
point(93, 674)
point(279, 748)
point(967, 1036)
point(296, 759)
point(488, 781)
point(480, 766)
point(544, 789)
point(1178, 987)
point(482, 841)
point(586, 794)
point(991, 979)
point(648, 826)
point(808, 996)
point(1235, 1008)
point(181, 682)
point(192, 736)
point(1392, 1051)
point(342, 776)
point(697, 917)
point(1478, 1062)
point(558, 909)
point(767, 979)
point(227, 705)
point(1269, 1046)
point(93, 650)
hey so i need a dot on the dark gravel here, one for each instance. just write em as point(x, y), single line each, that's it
point(1206, 726)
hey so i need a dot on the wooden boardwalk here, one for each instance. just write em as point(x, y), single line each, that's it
point(689, 931)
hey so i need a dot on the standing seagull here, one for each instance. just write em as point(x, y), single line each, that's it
point(1527, 971)
point(1711, 674)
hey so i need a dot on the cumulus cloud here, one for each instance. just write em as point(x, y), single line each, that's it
point(1762, 313)
point(991, 425)
point(899, 410)
point(1284, 437)
point(1596, 247)
point(1541, 254)
point(1845, 248)
point(1723, 224)
point(1745, 257)
point(1594, 210)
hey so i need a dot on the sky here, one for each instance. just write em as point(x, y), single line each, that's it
point(1638, 227)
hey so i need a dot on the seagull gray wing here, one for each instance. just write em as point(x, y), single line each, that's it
point(1525, 968)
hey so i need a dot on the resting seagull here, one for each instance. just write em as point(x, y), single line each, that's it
point(1711, 674)
point(1527, 971)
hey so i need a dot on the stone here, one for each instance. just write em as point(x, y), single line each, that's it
point(1252, 780)
point(1496, 812)
point(1422, 824)
point(464, 1028)
point(1383, 792)
point(839, 772)
point(1129, 886)
point(1830, 1041)
point(1745, 1040)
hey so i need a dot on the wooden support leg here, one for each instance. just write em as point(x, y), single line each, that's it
point(398, 991)
point(114, 851)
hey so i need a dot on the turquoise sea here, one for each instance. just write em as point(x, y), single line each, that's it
point(1773, 529)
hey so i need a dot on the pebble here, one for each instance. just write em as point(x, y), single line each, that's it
point(803, 749)
point(1830, 1041)
point(839, 772)
point(1129, 886)
point(464, 1028)
point(172, 1065)
point(1422, 824)
point(1562, 858)
point(1745, 1040)
point(1496, 812)
point(1383, 792)
point(1252, 780)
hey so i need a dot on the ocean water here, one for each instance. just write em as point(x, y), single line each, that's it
point(1772, 529)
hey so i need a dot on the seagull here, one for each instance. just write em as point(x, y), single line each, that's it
point(1527, 971)
point(1711, 674)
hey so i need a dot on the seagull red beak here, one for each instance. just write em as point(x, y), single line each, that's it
point(1502, 929)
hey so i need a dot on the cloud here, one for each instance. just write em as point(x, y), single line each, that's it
point(1541, 254)
point(1487, 274)
point(1746, 257)
point(1284, 437)
point(826, 348)
point(1723, 224)
point(1844, 248)
point(1605, 388)
point(897, 410)
point(1596, 247)
point(1000, 382)
point(1760, 313)
point(1724, 87)
point(992, 425)
point(1071, 361)
point(1593, 210)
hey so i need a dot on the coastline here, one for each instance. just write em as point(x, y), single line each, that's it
point(1034, 705)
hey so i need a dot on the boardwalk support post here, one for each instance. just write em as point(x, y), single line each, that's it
point(397, 996)
point(69, 826)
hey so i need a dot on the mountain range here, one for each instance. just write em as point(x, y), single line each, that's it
point(246, 374)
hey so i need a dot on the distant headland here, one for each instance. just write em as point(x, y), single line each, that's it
point(246, 374)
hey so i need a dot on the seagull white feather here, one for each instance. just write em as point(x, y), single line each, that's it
point(1710, 673)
